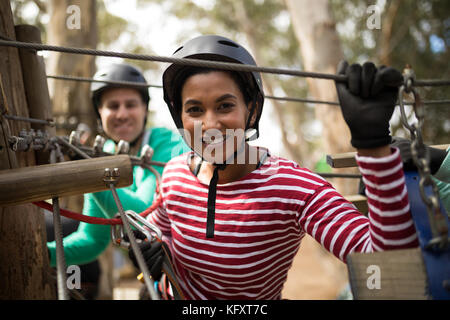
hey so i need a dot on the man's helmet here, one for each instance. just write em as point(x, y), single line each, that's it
point(118, 72)
point(217, 48)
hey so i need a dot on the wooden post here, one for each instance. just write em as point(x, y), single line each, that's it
point(388, 275)
point(347, 159)
point(35, 82)
point(68, 178)
point(360, 202)
point(24, 267)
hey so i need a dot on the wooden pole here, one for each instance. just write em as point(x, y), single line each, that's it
point(35, 83)
point(43, 182)
point(24, 267)
point(347, 159)
point(387, 275)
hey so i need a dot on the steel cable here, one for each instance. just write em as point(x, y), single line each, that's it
point(290, 99)
point(195, 62)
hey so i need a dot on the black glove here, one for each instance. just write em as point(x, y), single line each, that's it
point(367, 102)
point(153, 256)
point(437, 156)
point(152, 252)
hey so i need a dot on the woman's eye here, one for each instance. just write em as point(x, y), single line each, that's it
point(193, 110)
point(226, 106)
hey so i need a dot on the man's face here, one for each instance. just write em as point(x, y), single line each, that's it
point(122, 113)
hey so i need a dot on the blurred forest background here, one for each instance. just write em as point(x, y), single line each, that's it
point(296, 34)
point(290, 34)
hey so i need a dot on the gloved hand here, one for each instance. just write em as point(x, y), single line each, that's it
point(436, 155)
point(367, 102)
point(153, 256)
point(152, 252)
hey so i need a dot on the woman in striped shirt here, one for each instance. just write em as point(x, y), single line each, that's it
point(234, 215)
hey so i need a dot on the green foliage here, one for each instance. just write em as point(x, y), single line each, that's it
point(270, 31)
point(110, 27)
point(28, 12)
point(420, 37)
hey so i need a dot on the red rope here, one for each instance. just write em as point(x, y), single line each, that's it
point(95, 220)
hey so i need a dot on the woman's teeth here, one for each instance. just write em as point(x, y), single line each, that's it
point(213, 140)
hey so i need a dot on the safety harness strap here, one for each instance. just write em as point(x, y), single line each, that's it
point(212, 190)
point(437, 260)
point(168, 269)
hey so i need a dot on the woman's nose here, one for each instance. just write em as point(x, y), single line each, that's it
point(210, 121)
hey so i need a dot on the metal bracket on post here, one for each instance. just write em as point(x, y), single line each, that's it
point(123, 147)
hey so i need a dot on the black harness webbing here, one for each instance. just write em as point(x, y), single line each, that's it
point(212, 201)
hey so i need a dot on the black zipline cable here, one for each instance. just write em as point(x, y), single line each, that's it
point(195, 62)
point(182, 61)
point(140, 84)
point(203, 63)
point(85, 79)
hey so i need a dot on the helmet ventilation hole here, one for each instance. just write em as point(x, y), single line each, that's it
point(228, 43)
point(178, 49)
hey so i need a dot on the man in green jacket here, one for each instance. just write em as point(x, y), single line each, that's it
point(122, 111)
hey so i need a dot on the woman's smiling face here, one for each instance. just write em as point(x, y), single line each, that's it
point(213, 112)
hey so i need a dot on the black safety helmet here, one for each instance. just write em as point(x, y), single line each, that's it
point(118, 72)
point(216, 48)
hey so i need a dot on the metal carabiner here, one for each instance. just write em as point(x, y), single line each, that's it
point(117, 236)
point(150, 230)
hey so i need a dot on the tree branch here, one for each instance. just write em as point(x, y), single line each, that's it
point(386, 34)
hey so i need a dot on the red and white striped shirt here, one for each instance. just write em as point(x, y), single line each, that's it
point(261, 218)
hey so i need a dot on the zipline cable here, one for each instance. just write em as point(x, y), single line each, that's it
point(61, 279)
point(184, 61)
point(290, 99)
point(149, 283)
point(195, 62)
point(60, 257)
point(86, 79)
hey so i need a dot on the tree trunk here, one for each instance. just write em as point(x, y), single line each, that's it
point(321, 51)
point(71, 100)
point(73, 23)
point(387, 31)
point(24, 267)
point(320, 47)
point(36, 87)
point(298, 151)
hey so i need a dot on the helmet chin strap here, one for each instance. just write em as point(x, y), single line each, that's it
point(212, 188)
point(212, 191)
